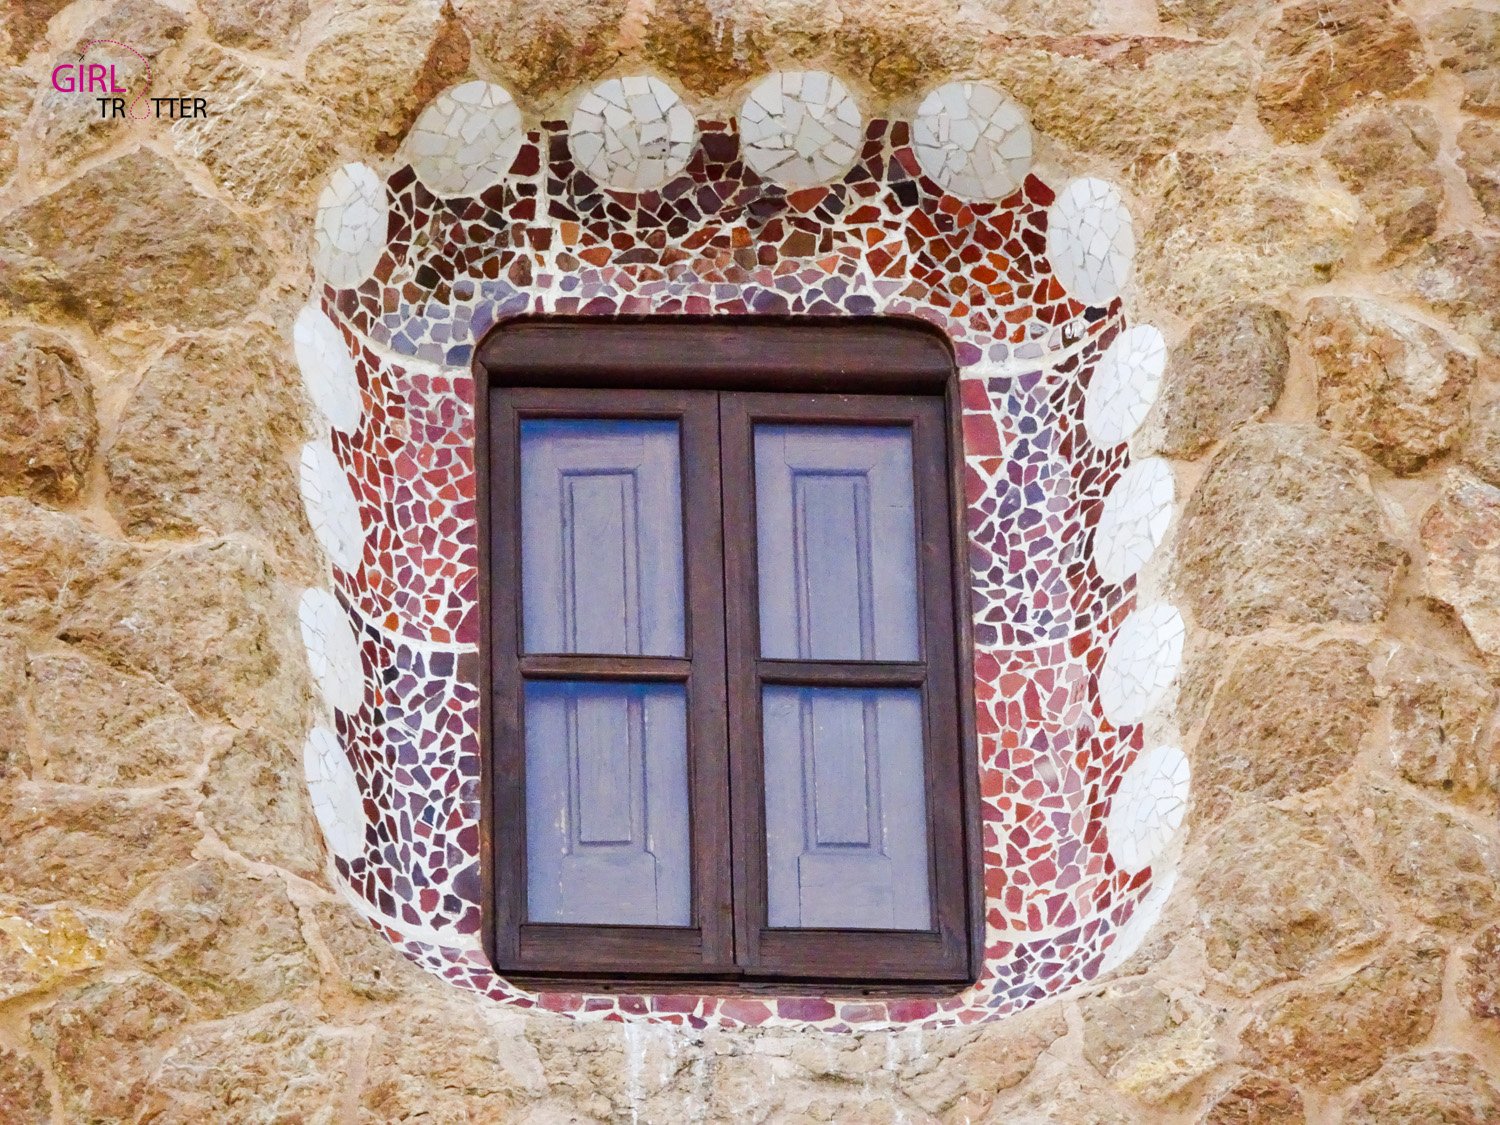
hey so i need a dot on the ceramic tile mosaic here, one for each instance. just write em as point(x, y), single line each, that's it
point(333, 653)
point(350, 227)
point(638, 208)
point(1148, 807)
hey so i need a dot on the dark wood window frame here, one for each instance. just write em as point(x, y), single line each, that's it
point(719, 378)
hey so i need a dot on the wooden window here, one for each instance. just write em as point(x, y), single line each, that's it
point(725, 737)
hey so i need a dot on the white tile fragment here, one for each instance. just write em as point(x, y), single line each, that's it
point(1148, 911)
point(335, 793)
point(1141, 664)
point(466, 140)
point(332, 649)
point(973, 140)
point(1148, 807)
point(1091, 240)
point(799, 128)
point(327, 368)
point(632, 134)
point(1125, 385)
point(331, 507)
point(350, 225)
point(1133, 519)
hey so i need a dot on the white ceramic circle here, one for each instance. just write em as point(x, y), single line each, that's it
point(1149, 806)
point(331, 507)
point(632, 134)
point(1142, 662)
point(1126, 382)
point(335, 793)
point(1133, 519)
point(332, 649)
point(349, 228)
point(327, 368)
point(800, 128)
point(466, 140)
point(1133, 933)
point(973, 140)
point(1091, 240)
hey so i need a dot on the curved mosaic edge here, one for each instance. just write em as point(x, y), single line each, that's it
point(629, 211)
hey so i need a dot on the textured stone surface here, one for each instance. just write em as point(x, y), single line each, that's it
point(1281, 896)
point(1331, 1035)
point(15, 735)
point(1445, 1086)
point(131, 241)
point(546, 49)
point(42, 946)
point(200, 619)
point(207, 442)
point(1235, 226)
point(1283, 719)
point(227, 940)
point(362, 960)
point(1479, 156)
point(1461, 540)
point(1460, 274)
point(1467, 40)
point(95, 725)
point(255, 798)
point(1481, 447)
point(1322, 56)
point(255, 24)
point(1149, 1046)
point(962, 1076)
point(1231, 369)
point(1209, 18)
point(1445, 868)
point(1257, 1099)
point(1385, 157)
point(1393, 387)
point(49, 561)
point(1441, 734)
point(1481, 977)
point(23, 1089)
point(104, 1040)
point(1283, 528)
point(47, 424)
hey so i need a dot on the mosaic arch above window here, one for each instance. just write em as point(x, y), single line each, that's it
point(801, 207)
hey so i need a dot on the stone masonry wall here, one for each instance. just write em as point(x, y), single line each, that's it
point(1317, 186)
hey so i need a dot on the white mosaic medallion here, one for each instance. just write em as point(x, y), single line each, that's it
point(800, 128)
point(1126, 382)
point(331, 507)
point(973, 140)
point(1141, 664)
point(632, 134)
point(1132, 935)
point(1091, 240)
point(1148, 807)
point(327, 369)
point(349, 229)
point(1133, 519)
point(466, 140)
point(332, 649)
point(335, 793)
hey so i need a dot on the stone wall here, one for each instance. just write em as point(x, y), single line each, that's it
point(1318, 188)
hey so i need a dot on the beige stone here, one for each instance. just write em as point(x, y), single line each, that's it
point(450, 1065)
point(1479, 156)
point(95, 725)
point(1447, 1087)
point(103, 1040)
point(48, 561)
point(27, 20)
point(15, 735)
point(274, 1064)
point(1284, 529)
point(1460, 274)
point(1283, 719)
point(960, 1076)
point(42, 946)
point(16, 93)
point(1150, 1046)
point(1280, 895)
point(1385, 157)
point(1323, 56)
point(228, 940)
point(131, 241)
point(205, 619)
point(94, 848)
point(1060, 1095)
point(207, 445)
point(1210, 18)
point(545, 50)
point(256, 799)
point(271, 142)
point(1441, 735)
point(1231, 369)
point(1392, 386)
point(24, 1097)
point(1232, 226)
point(1461, 540)
point(363, 961)
point(1481, 447)
point(1480, 983)
point(376, 63)
point(1468, 42)
point(1445, 869)
point(266, 25)
point(47, 424)
point(1330, 1035)
point(1257, 1099)
point(706, 49)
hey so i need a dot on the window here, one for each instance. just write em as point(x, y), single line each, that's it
point(725, 732)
